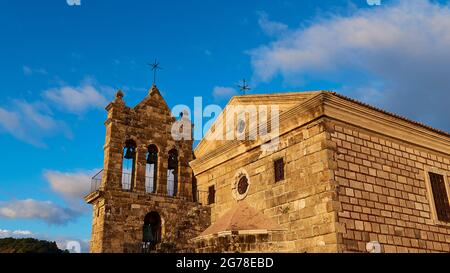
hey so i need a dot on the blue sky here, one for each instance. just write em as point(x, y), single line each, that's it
point(61, 64)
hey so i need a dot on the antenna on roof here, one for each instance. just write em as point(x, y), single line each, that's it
point(244, 87)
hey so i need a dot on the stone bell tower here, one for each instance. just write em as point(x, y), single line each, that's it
point(143, 199)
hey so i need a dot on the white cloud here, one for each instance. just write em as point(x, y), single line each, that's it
point(71, 186)
point(76, 99)
point(46, 211)
point(28, 71)
point(269, 27)
point(221, 92)
point(31, 122)
point(22, 232)
point(5, 233)
point(403, 47)
point(10, 121)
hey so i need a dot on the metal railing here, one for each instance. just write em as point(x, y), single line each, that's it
point(171, 192)
point(199, 196)
point(149, 184)
point(96, 181)
point(126, 181)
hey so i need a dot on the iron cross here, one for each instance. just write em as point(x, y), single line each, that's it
point(244, 86)
point(155, 66)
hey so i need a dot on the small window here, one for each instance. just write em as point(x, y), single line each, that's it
point(211, 195)
point(440, 197)
point(279, 169)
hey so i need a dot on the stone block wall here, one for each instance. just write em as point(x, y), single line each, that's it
point(383, 193)
point(304, 204)
point(118, 213)
point(122, 218)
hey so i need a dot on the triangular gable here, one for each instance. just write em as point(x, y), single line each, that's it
point(284, 101)
point(154, 99)
point(242, 217)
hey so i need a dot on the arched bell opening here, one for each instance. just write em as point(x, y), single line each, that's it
point(151, 230)
point(151, 169)
point(172, 173)
point(128, 164)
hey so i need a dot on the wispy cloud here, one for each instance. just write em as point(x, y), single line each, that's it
point(223, 93)
point(31, 122)
point(71, 186)
point(399, 49)
point(76, 99)
point(46, 211)
point(5, 233)
point(28, 71)
point(271, 28)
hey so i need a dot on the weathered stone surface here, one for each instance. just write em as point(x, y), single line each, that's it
point(352, 174)
point(383, 192)
point(118, 215)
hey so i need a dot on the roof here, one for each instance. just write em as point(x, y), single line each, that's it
point(289, 100)
point(239, 218)
point(304, 95)
point(391, 114)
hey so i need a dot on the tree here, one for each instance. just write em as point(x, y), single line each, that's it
point(28, 245)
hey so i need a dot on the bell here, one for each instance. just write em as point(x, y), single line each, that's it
point(152, 158)
point(129, 153)
point(172, 163)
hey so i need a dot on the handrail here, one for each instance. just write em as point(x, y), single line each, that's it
point(199, 196)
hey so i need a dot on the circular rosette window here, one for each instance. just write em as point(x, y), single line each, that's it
point(241, 185)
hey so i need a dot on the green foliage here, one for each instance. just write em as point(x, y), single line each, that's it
point(28, 245)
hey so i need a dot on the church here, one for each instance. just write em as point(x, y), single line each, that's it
point(333, 175)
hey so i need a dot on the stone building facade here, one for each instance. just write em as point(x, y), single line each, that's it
point(342, 176)
point(351, 174)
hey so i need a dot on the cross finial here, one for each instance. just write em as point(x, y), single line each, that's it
point(154, 67)
point(244, 86)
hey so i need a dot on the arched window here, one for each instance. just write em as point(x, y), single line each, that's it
point(151, 230)
point(128, 164)
point(151, 172)
point(172, 173)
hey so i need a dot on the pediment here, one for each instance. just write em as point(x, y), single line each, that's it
point(284, 101)
point(153, 101)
